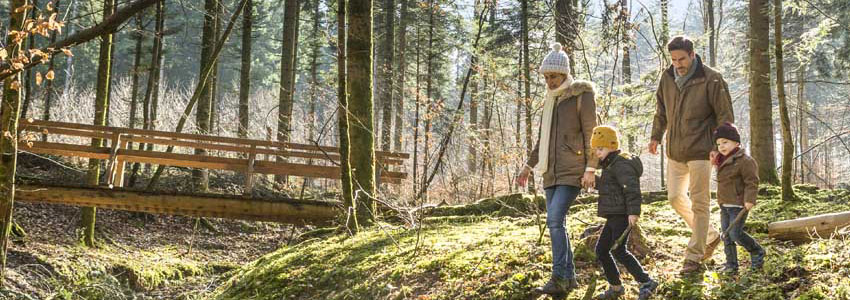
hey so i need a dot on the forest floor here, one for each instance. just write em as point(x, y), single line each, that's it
point(497, 254)
point(138, 256)
point(493, 249)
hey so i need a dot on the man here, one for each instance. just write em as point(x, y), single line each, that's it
point(691, 101)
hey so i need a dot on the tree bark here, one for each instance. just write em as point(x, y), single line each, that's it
point(761, 104)
point(245, 71)
point(28, 87)
point(343, 115)
point(287, 67)
point(314, 73)
point(9, 113)
point(50, 86)
point(429, 64)
point(804, 229)
point(387, 70)
point(712, 34)
point(359, 71)
point(134, 91)
point(566, 28)
point(785, 120)
point(526, 99)
point(203, 113)
point(398, 137)
point(101, 109)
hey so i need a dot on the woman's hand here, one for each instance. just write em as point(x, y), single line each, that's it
point(588, 180)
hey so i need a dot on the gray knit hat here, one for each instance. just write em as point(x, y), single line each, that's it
point(556, 61)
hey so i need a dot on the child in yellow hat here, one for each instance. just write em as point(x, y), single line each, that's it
point(619, 203)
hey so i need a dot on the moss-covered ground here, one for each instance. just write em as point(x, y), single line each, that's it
point(476, 253)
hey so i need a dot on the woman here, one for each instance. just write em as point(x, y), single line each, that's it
point(564, 157)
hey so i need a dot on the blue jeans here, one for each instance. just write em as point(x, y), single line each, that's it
point(737, 235)
point(559, 198)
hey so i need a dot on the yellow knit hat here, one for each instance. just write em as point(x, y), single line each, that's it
point(605, 136)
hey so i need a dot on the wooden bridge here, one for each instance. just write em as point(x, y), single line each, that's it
point(246, 156)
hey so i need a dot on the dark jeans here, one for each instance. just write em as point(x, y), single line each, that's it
point(559, 198)
point(737, 235)
point(614, 228)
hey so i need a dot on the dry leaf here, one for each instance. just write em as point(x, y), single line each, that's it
point(67, 52)
point(38, 78)
point(3, 54)
point(45, 131)
point(49, 75)
point(22, 9)
point(15, 85)
point(49, 6)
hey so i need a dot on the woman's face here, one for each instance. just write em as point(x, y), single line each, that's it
point(554, 80)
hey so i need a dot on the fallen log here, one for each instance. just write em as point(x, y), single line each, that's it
point(199, 205)
point(805, 229)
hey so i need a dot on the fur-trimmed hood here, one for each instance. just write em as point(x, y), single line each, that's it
point(578, 87)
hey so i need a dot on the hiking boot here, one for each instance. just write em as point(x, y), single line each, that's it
point(691, 267)
point(612, 294)
point(729, 270)
point(647, 289)
point(757, 259)
point(709, 249)
point(557, 286)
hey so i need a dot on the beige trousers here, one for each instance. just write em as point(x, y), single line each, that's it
point(695, 176)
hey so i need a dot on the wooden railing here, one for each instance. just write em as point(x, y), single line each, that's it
point(247, 156)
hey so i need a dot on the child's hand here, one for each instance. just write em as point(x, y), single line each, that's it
point(633, 219)
point(749, 206)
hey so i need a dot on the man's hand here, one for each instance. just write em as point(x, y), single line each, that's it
point(588, 180)
point(633, 220)
point(749, 206)
point(653, 147)
point(522, 178)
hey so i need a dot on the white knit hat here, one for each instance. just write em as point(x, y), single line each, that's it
point(556, 61)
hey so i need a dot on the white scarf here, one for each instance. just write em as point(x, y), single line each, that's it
point(551, 100)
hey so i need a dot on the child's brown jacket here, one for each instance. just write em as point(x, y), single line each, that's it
point(737, 180)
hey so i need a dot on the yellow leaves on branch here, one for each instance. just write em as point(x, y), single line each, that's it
point(15, 85)
point(49, 75)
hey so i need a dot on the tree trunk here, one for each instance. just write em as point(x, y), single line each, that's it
point(101, 108)
point(359, 70)
point(526, 99)
point(49, 89)
point(428, 94)
point(761, 104)
point(151, 102)
point(472, 163)
point(9, 113)
point(134, 91)
point(203, 113)
point(787, 141)
point(627, 67)
point(343, 114)
point(712, 34)
point(28, 88)
point(566, 28)
point(387, 70)
point(245, 71)
point(287, 67)
point(314, 74)
point(803, 127)
point(398, 139)
point(69, 59)
point(665, 32)
point(416, 116)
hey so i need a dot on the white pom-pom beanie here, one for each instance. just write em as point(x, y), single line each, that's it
point(556, 61)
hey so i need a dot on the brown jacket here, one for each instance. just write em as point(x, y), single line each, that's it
point(569, 147)
point(690, 116)
point(738, 180)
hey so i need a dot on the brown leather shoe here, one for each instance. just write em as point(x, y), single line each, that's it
point(691, 267)
point(709, 249)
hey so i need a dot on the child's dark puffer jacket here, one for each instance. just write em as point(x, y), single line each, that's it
point(619, 185)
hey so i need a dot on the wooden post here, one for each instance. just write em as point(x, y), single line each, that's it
point(121, 164)
point(113, 159)
point(249, 174)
